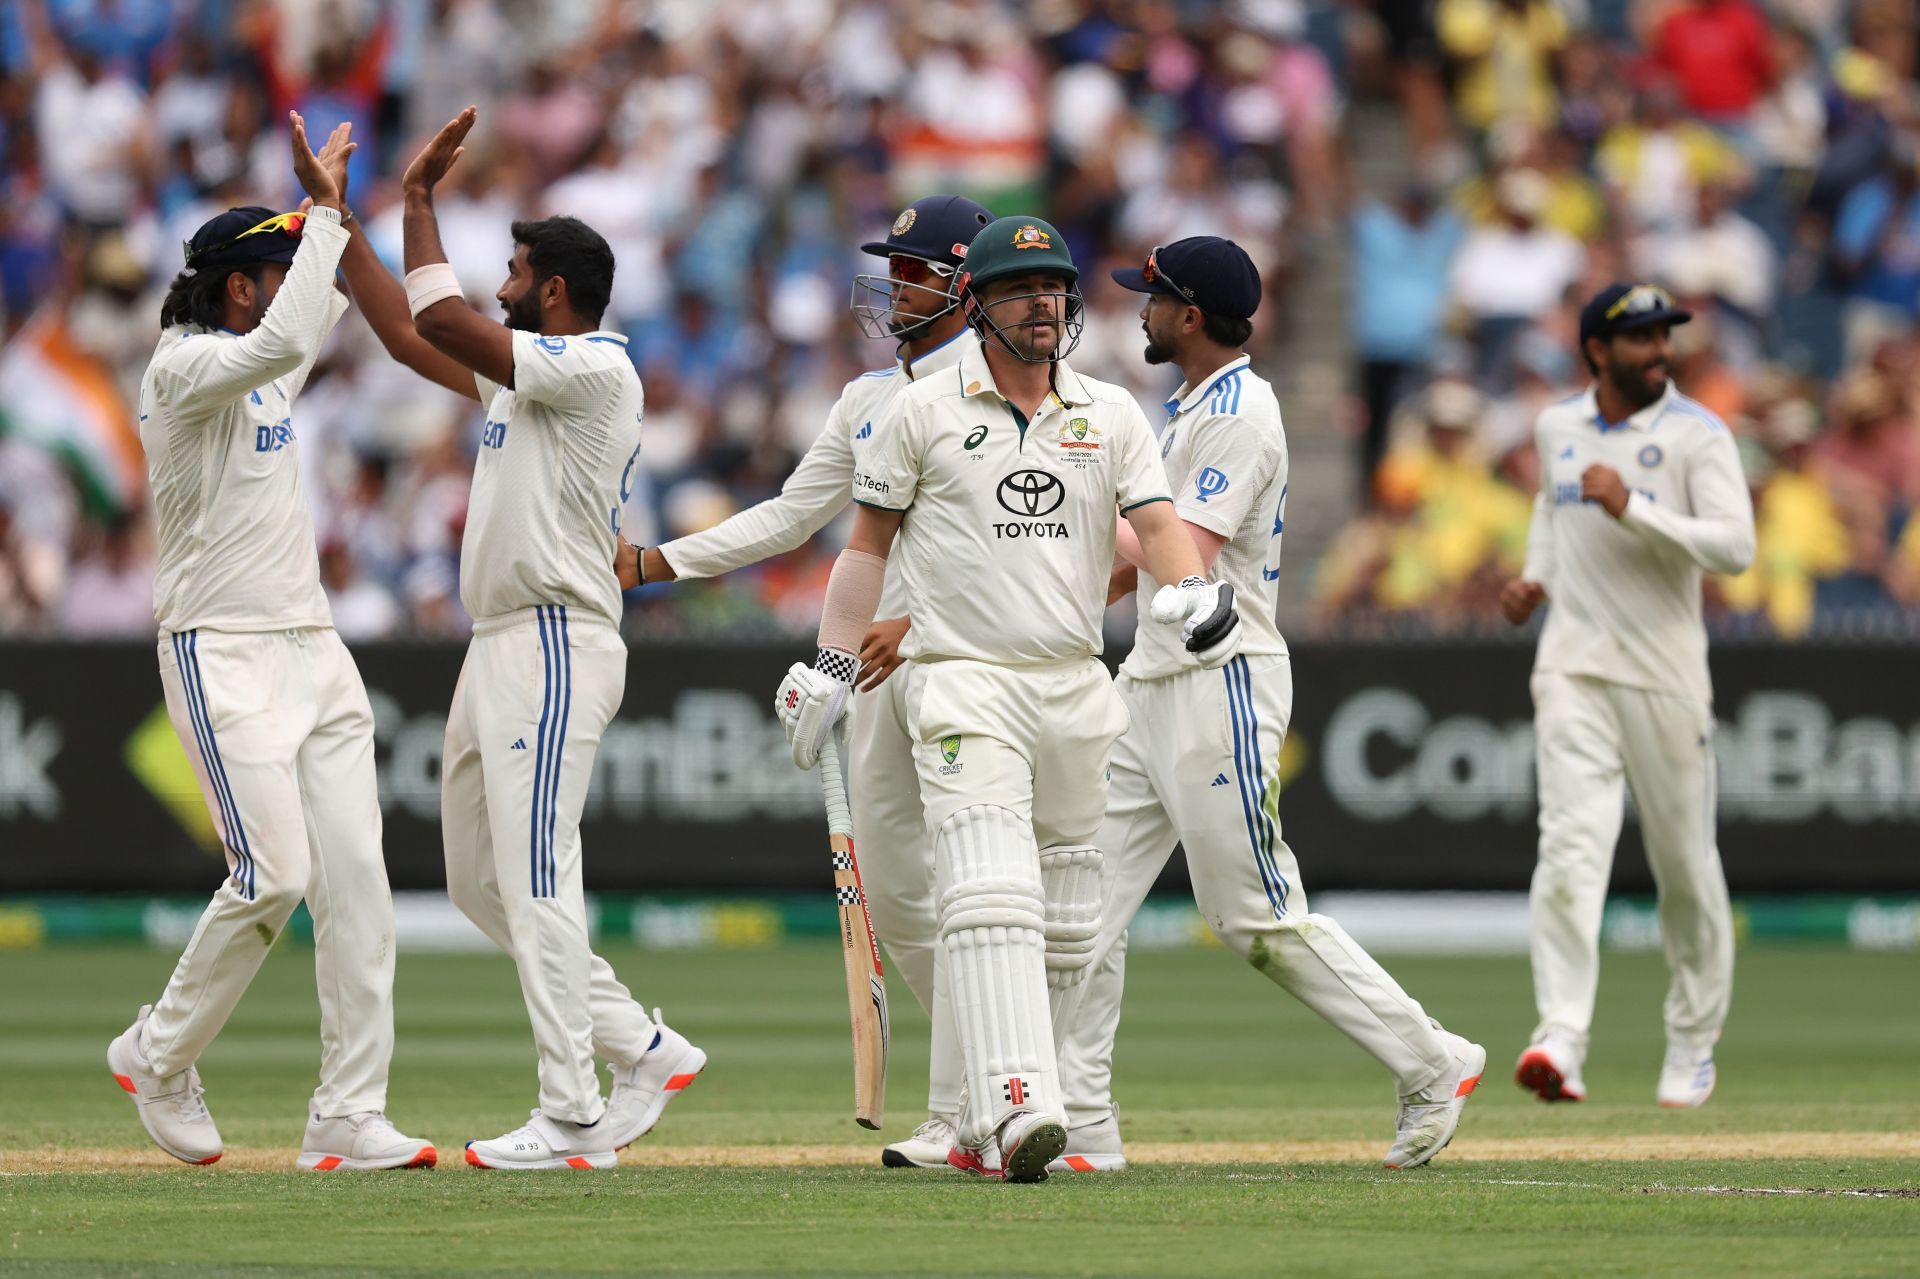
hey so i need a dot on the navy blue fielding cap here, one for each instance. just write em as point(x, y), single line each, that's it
point(938, 228)
point(240, 237)
point(1620, 307)
point(1206, 271)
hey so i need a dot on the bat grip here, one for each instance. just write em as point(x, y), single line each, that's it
point(833, 787)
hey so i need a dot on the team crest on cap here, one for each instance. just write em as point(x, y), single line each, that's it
point(904, 223)
point(1030, 236)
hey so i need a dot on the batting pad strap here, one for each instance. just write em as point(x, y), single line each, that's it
point(434, 282)
point(853, 597)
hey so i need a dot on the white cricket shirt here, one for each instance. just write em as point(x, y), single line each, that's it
point(558, 459)
point(1007, 545)
point(818, 488)
point(1225, 455)
point(1623, 596)
point(236, 546)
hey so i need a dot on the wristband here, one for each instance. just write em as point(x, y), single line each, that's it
point(327, 213)
point(434, 282)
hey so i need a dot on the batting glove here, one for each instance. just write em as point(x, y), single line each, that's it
point(812, 699)
point(1209, 623)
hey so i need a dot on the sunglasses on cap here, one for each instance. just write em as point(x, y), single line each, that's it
point(290, 224)
point(1640, 300)
point(912, 270)
point(1155, 273)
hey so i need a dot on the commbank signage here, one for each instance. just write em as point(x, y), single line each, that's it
point(1407, 767)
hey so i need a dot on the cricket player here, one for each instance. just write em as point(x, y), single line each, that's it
point(265, 697)
point(546, 668)
point(1001, 478)
point(1200, 764)
point(915, 305)
point(1640, 491)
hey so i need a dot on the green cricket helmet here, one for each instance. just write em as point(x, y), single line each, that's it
point(1021, 246)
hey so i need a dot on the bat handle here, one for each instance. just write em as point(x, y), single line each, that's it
point(833, 787)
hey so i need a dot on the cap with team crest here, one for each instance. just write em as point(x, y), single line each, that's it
point(241, 237)
point(1206, 271)
point(1622, 306)
point(938, 229)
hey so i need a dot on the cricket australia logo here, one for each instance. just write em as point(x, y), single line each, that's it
point(950, 751)
point(1080, 441)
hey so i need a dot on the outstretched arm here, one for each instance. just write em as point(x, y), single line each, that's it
point(447, 323)
point(383, 302)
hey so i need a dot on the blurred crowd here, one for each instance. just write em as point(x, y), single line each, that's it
point(1760, 161)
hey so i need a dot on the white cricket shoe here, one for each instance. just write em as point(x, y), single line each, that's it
point(363, 1142)
point(1429, 1117)
point(1687, 1076)
point(927, 1148)
point(547, 1143)
point(1550, 1069)
point(1029, 1143)
point(641, 1091)
point(1093, 1147)
point(172, 1108)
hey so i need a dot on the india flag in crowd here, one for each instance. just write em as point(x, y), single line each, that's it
point(59, 397)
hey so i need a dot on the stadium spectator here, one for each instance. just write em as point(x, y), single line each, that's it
point(1402, 253)
point(1720, 52)
point(1510, 273)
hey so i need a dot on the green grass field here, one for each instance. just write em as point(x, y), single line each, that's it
point(1817, 1093)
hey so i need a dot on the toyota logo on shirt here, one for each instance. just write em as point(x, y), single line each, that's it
point(1031, 494)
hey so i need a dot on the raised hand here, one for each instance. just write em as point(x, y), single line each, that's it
point(323, 177)
point(438, 156)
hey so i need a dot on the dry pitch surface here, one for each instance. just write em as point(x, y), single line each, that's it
point(1255, 1132)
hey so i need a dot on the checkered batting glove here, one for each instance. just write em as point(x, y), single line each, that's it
point(812, 700)
point(1209, 623)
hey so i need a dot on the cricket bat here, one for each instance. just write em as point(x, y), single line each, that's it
point(866, 980)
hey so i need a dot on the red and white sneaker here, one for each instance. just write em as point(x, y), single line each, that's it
point(1429, 1118)
point(1093, 1147)
point(1550, 1069)
point(641, 1091)
point(544, 1143)
point(365, 1142)
point(172, 1108)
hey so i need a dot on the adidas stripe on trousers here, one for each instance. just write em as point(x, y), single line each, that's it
point(280, 735)
point(1200, 766)
point(538, 689)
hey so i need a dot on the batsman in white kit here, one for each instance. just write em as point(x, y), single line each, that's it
point(914, 304)
point(1000, 479)
point(264, 696)
point(1641, 490)
point(1200, 764)
point(547, 667)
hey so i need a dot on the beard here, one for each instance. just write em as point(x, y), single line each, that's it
point(523, 312)
point(1638, 385)
point(1157, 354)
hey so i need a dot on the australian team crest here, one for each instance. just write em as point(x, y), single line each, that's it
point(950, 751)
point(1030, 236)
point(1080, 439)
point(904, 223)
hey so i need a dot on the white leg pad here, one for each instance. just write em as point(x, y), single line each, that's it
point(993, 926)
point(1070, 876)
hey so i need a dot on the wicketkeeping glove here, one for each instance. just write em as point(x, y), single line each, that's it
point(1210, 624)
point(812, 700)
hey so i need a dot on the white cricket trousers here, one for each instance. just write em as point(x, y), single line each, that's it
point(280, 734)
point(1590, 734)
point(896, 866)
point(1012, 768)
point(1200, 766)
point(538, 689)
